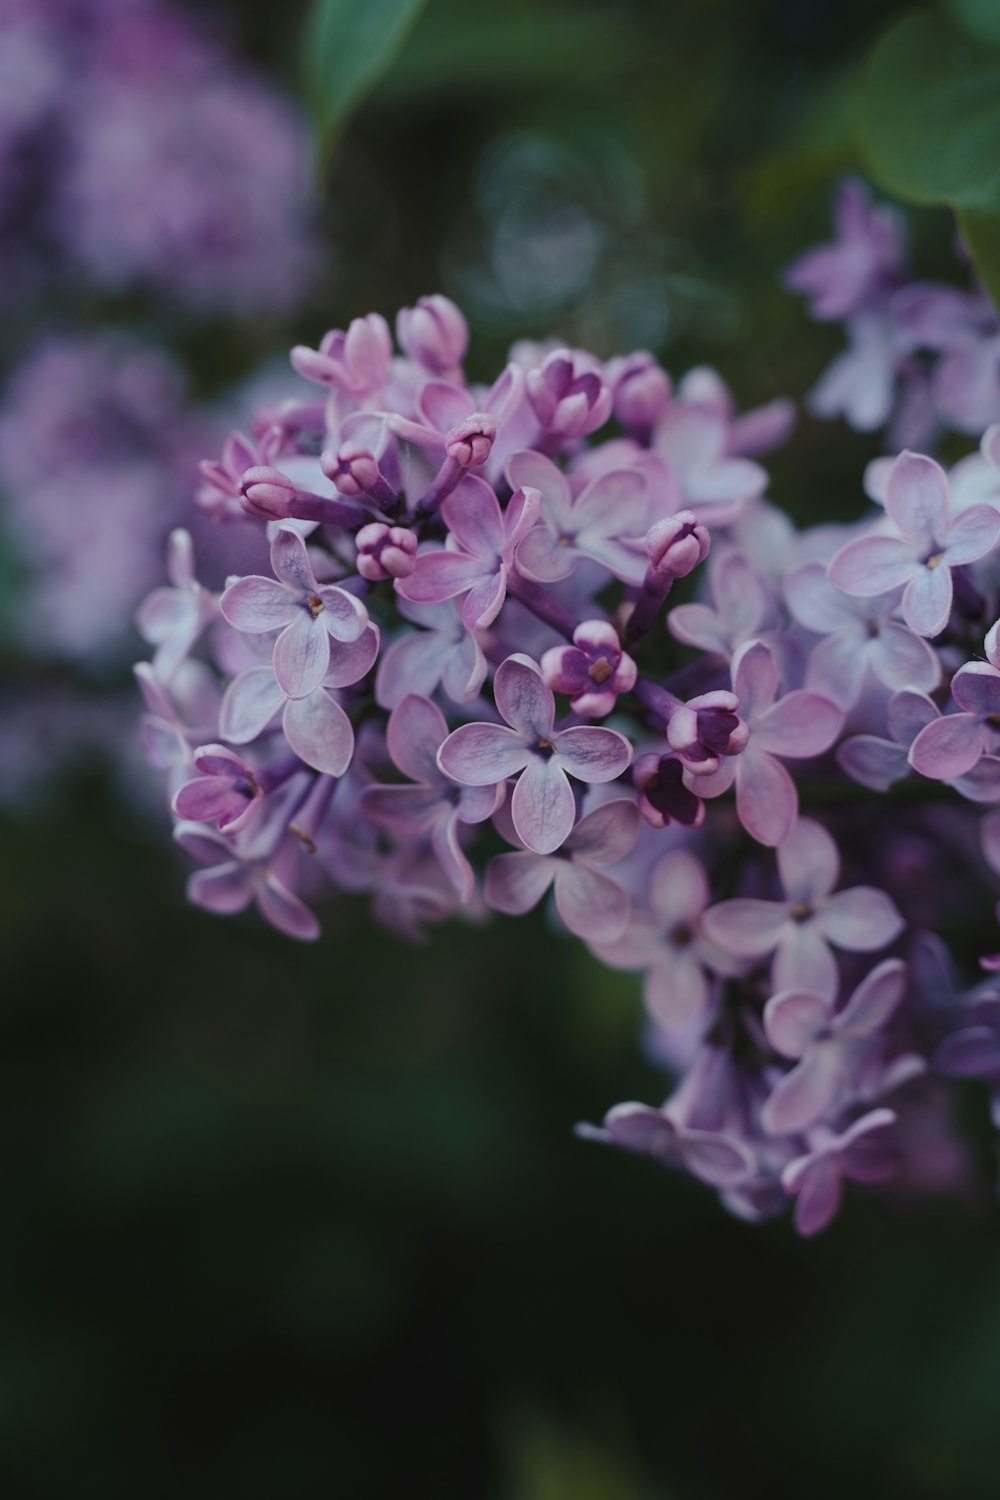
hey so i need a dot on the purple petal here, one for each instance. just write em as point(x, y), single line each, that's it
point(808, 862)
point(871, 565)
point(352, 660)
point(814, 600)
point(804, 1095)
point(819, 1195)
point(531, 470)
point(344, 615)
point(223, 889)
point(290, 560)
point(517, 882)
point(524, 700)
point(803, 961)
point(907, 714)
point(484, 600)
point(319, 732)
point(766, 799)
point(948, 747)
point(873, 762)
point(755, 678)
point(719, 1160)
point(837, 666)
point(973, 1052)
point(257, 605)
point(405, 809)
point(798, 726)
point(285, 911)
point(676, 991)
point(860, 920)
point(972, 534)
point(416, 731)
point(976, 688)
point(607, 834)
point(249, 704)
point(301, 655)
point(794, 1019)
point(746, 927)
point(916, 498)
point(541, 558)
point(542, 808)
point(679, 889)
point(927, 600)
point(440, 575)
point(875, 1000)
point(483, 754)
point(207, 799)
point(473, 516)
point(592, 754)
point(903, 660)
point(592, 905)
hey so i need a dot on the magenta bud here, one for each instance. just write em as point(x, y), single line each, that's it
point(385, 551)
point(676, 545)
point(267, 494)
point(663, 796)
point(705, 728)
point(471, 442)
point(353, 468)
point(434, 333)
point(641, 392)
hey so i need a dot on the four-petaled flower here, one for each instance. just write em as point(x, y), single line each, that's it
point(815, 1180)
point(592, 671)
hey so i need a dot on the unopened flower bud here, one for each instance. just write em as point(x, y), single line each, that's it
point(385, 551)
point(353, 469)
point(676, 545)
point(268, 494)
point(471, 442)
point(706, 728)
point(356, 361)
point(568, 395)
point(434, 333)
point(663, 796)
point(641, 392)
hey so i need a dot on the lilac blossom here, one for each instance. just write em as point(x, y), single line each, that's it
point(232, 880)
point(973, 1050)
point(568, 394)
point(953, 744)
point(591, 904)
point(929, 544)
point(592, 671)
point(541, 757)
point(865, 259)
point(802, 929)
point(442, 653)
point(816, 1179)
point(605, 522)
point(721, 1161)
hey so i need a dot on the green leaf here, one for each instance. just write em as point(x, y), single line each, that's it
point(930, 127)
point(346, 47)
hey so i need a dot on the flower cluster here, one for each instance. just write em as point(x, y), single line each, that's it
point(921, 356)
point(135, 153)
point(518, 643)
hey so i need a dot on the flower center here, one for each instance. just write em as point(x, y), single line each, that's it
point(933, 560)
point(800, 911)
point(545, 748)
point(681, 935)
point(315, 606)
point(601, 670)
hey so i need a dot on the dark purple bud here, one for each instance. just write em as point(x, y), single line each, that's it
point(385, 552)
point(663, 797)
point(706, 728)
point(592, 671)
point(676, 545)
point(641, 392)
point(568, 394)
point(471, 442)
point(434, 333)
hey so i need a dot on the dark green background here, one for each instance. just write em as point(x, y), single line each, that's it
point(308, 1222)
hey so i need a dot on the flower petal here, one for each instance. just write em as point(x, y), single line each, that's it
point(249, 704)
point(766, 799)
point(592, 905)
point(523, 698)
point(794, 1019)
point(948, 747)
point(860, 920)
point(592, 754)
point(875, 1001)
point(804, 1095)
point(483, 754)
point(916, 498)
point(808, 862)
point(800, 725)
point(301, 655)
point(927, 600)
point(319, 732)
point(542, 808)
point(517, 882)
point(746, 927)
point(871, 565)
point(607, 834)
point(257, 605)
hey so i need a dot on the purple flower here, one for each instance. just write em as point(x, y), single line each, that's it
point(953, 744)
point(593, 671)
point(482, 543)
point(227, 792)
point(705, 729)
point(234, 879)
point(797, 726)
point(385, 551)
point(434, 333)
point(829, 1046)
point(172, 619)
point(442, 654)
point(433, 804)
point(641, 390)
point(664, 795)
point(720, 1160)
point(542, 806)
point(308, 614)
point(800, 929)
point(355, 362)
point(693, 442)
point(816, 1179)
point(928, 546)
point(876, 762)
point(606, 522)
point(568, 396)
point(742, 606)
point(864, 260)
point(973, 1051)
point(589, 902)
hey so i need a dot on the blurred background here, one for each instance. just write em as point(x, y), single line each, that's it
point(310, 1221)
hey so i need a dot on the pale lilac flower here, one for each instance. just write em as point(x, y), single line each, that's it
point(857, 637)
point(750, 433)
point(864, 261)
point(355, 362)
point(801, 929)
point(444, 411)
point(435, 334)
point(308, 614)
point(172, 619)
point(567, 395)
point(592, 671)
point(829, 1045)
point(861, 384)
point(953, 744)
point(962, 328)
point(482, 543)
point(641, 392)
point(542, 758)
point(443, 653)
point(233, 880)
point(877, 762)
point(705, 729)
point(431, 803)
point(693, 442)
point(816, 1179)
point(605, 522)
point(590, 903)
point(742, 606)
point(930, 543)
point(800, 725)
point(227, 791)
point(973, 1051)
point(720, 1160)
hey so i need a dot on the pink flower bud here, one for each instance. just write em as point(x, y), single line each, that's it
point(356, 361)
point(641, 391)
point(568, 394)
point(353, 469)
point(385, 551)
point(267, 494)
point(676, 545)
point(434, 333)
point(471, 442)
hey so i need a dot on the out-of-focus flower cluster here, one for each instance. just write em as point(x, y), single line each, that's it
point(520, 644)
point(136, 153)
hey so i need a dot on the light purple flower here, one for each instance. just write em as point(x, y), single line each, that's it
point(801, 929)
point(233, 880)
point(973, 1051)
point(356, 362)
point(693, 442)
point(606, 522)
point(434, 333)
point(172, 619)
point(930, 543)
point(953, 744)
point(432, 803)
point(664, 795)
point(308, 614)
point(829, 1045)
point(592, 671)
point(742, 606)
point(816, 1179)
point(482, 543)
point(543, 808)
point(864, 260)
point(227, 792)
point(441, 654)
point(568, 395)
point(799, 725)
point(720, 1160)
point(705, 729)
point(591, 904)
